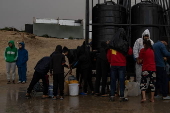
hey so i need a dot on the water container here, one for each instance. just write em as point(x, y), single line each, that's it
point(147, 13)
point(107, 13)
point(50, 90)
point(73, 89)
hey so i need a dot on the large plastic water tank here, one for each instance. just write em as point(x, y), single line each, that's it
point(147, 13)
point(107, 13)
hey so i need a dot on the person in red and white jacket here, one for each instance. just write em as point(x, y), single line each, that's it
point(147, 59)
point(117, 61)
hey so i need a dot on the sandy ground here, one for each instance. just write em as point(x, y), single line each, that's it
point(37, 47)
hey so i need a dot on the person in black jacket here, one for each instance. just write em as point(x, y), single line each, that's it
point(41, 70)
point(57, 71)
point(85, 66)
point(102, 68)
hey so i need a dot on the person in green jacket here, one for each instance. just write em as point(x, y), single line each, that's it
point(11, 54)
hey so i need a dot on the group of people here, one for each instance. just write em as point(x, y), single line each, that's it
point(150, 68)
point(16, 57)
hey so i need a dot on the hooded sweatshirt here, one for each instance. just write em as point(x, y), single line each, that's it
point(103, 51)
point(22, 56)
point(139, 44)
point(11, 53)
point(57, 61)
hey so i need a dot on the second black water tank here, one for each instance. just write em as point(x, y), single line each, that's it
point(147, 13)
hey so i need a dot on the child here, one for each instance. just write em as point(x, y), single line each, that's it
point(41, 69)
point(146, 57)
point(11, 55)
point(57, 71)
point(22, 62)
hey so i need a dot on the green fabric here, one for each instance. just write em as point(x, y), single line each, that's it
point(11, 53)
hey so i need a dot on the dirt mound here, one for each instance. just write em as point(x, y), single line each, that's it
point(37, 47)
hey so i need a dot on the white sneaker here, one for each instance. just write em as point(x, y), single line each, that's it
point(158, 96)
point(23, 82)
point(166, 98)
point(19, 82)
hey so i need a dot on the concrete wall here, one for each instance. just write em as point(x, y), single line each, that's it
point(59, 31)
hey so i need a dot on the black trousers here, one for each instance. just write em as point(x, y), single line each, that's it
point(36, 77)
point(79, 75)
point(58, 83)
point(87, 77)
point(101, 72)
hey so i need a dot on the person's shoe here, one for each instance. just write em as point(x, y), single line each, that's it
point(123, 99)
point(112, 98)
point(45, 96)
point(23, 82)
point(19, 82)
point(61, 98)
point(83, 93)
point(158, 96)
point(105, 95)
point(8, 82)
point(97, 94)
point(28, 95)
point(166, 98)
point(54, 97)
point(13, 81)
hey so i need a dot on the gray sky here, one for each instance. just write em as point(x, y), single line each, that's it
point(17, 13)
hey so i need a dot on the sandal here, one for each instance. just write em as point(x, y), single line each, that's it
point(152, 100)
point(143, 100)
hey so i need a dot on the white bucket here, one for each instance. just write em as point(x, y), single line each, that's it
point(73, 89)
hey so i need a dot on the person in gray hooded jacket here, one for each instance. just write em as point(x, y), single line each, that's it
point(136, 49)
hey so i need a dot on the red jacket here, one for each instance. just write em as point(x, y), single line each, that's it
point(116, 58)
point(148, 59)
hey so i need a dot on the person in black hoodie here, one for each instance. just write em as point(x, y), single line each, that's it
point(102, 68)
point(85, 65)
point(57, 71)
point(41, 69)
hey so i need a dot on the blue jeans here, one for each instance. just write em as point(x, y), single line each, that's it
point(22, 73)
point(161, 81)
point(118, 72)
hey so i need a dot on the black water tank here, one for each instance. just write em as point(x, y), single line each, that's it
point(107, 13)
point(147, 13)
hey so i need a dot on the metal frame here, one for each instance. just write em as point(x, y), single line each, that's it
point(127, 3)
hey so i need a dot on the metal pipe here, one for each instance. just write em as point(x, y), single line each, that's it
point(130, 27)
point(160, 3)
point(148, 25)
point(163, 2)
point(87, 22)
point(166, 3)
